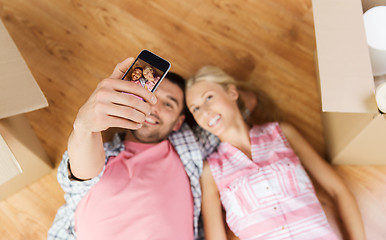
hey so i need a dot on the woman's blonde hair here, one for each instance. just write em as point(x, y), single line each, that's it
point(265, 109)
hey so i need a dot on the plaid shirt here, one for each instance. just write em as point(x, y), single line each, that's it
point(192, 148)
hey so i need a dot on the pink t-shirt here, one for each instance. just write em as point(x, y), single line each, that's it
point(144, 193)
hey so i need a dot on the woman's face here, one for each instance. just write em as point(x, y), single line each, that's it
point(213, 107)
point(137, 73)
point(148, 74)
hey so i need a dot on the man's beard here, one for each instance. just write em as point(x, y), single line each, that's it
point(145, 135)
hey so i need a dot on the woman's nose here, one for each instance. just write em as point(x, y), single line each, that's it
point(205, 111)
point(207, 107)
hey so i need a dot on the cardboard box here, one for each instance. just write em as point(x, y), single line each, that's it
point(22, 158)
point(355, 130)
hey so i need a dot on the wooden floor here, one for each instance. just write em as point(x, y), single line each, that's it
point(70, 45)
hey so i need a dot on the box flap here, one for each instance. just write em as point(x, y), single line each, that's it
point(25, 145)
point(9, 167)
point(368, 147)
point(341, 128)
point(346, 78)
point(19, 91)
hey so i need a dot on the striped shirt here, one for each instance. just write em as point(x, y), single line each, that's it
point(270, 196)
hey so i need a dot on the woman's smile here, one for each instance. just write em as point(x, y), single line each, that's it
point(214, 121)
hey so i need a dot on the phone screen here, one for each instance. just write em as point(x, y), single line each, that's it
point(147, 70)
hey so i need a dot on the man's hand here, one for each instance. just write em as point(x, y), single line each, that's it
point(113, 104)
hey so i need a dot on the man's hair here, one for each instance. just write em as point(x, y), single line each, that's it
point(181, 83)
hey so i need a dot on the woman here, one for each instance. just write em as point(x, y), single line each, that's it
point(261, 182)
point(150, 76)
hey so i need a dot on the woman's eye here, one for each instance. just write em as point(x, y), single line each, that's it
point(194, 110)
point(208, 98)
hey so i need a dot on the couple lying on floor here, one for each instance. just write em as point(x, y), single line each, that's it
point(238, 174)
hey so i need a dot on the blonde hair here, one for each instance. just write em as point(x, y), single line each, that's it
point(265, 109)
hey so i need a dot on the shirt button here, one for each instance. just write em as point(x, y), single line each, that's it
point(274, 208)
point(282, 228)
point(267, 188)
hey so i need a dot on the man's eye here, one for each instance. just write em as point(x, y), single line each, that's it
point(208, 98)
point(194, 110)
point(168, 105)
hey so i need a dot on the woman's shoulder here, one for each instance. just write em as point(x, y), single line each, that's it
point(264, 128)
point(288, 129)
point(284, 126)
point(213, 156)
point(274, 129)
point(217, 158)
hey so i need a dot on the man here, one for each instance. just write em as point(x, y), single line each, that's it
point(137, 78)
point(139, 186)
point(136, 74)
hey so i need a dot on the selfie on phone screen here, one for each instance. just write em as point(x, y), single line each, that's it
point(147, 70)
point(144, 74)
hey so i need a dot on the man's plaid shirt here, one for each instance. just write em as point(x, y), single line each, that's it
point(192, 149)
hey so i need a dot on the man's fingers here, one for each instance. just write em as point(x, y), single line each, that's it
point(121, 68)
point(127, 113)
point(123, 123)
point(130, 88)
point(132, 101)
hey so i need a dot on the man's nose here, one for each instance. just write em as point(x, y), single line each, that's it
point(155, 108)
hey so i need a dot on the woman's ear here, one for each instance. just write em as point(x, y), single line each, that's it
point(249, 98)
point(233, 92)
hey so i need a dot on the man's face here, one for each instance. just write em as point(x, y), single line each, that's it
point(137, 73)
point(165, 115)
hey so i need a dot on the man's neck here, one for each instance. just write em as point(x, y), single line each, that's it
point(132, 138)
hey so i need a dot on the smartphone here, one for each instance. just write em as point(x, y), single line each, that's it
point(147, 70)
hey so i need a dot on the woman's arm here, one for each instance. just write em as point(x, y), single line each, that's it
point(325, 175)
point(211, 207)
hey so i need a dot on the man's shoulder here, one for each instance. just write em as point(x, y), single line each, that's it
point(182, 136)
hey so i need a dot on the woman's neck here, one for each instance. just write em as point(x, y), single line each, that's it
point(238, 136)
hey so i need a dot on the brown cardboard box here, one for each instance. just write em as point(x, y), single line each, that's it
point(22, 158)
point(355, 131)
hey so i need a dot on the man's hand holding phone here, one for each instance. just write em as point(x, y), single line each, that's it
point(112, 104)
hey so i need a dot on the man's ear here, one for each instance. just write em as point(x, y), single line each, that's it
point(233, 92)
point(179, 122)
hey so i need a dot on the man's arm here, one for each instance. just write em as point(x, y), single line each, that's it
point(112, 104)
